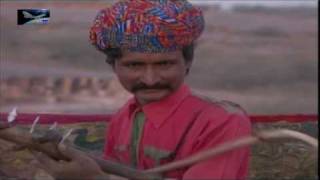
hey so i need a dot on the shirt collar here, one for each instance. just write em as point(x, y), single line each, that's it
point(157, 112)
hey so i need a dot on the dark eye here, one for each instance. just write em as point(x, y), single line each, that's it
point(134, 65)
point(165, 63)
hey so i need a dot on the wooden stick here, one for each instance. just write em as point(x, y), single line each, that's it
point(245, 141)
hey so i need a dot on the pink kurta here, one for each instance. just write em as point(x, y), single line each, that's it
point(200, 123)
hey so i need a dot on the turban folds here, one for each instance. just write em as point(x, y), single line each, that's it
point(147, 25)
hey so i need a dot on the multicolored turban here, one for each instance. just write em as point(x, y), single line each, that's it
point(147, 25)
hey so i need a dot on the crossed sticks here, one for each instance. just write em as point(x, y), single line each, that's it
point(47, 143)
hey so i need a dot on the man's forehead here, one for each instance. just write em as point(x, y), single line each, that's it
point(136, 56)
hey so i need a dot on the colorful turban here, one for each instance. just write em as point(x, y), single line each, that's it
point(147, 25)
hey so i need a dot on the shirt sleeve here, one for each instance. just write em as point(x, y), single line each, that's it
point(230, 165)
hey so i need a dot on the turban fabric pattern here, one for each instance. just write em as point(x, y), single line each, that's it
point(147, 25)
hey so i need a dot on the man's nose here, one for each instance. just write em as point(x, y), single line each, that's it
point(150, 76)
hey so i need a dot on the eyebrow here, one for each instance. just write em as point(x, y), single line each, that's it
point(156, 61)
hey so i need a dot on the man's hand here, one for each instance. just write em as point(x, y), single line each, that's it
point(79, 167)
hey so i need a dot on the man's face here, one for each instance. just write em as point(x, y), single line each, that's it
point(151, 76)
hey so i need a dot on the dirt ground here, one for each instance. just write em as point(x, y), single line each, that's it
point(263, 59)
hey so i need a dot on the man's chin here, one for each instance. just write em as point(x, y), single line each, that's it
point(148, 96)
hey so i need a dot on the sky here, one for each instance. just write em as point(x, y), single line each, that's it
point(227, 4)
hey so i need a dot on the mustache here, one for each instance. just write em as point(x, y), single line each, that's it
point(143, 86)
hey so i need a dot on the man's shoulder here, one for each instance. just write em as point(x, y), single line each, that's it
point(221, 112)
point(213, 104)
point(222, 115)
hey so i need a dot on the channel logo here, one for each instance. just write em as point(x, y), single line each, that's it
point(33, 16)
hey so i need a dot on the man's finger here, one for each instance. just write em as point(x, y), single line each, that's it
point(48, 164)
point(18, 147)
point(69, 151)
point(50, 135)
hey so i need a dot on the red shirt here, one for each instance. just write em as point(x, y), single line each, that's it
point(166, 121)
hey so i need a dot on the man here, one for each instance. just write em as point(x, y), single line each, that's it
point(150, 44)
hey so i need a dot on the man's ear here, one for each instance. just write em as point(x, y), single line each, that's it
point(188, 66)
point(187, 71)
point(113, 66)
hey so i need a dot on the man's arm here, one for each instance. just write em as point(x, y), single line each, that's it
point(80, 165)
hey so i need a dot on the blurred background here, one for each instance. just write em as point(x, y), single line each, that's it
point(259, 54)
